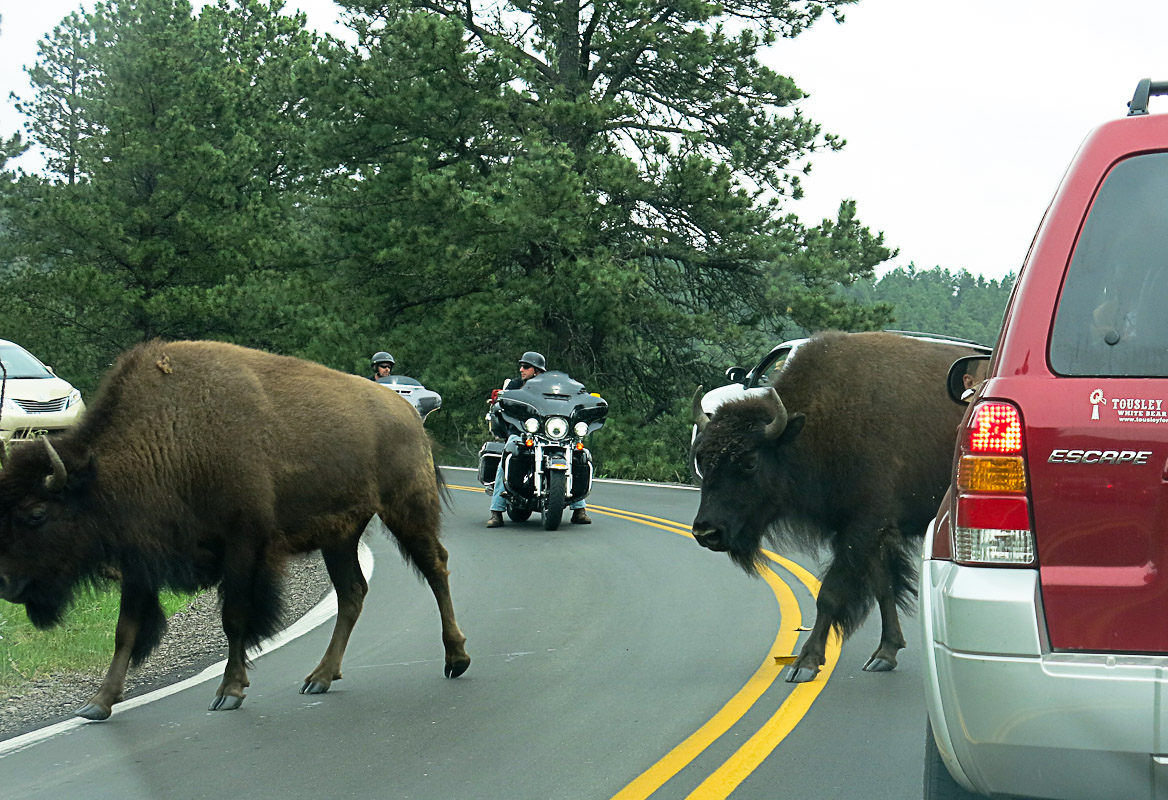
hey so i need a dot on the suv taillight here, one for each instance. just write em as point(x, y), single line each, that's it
point(991, 519)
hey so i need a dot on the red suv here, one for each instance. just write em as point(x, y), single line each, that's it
point(1044, 588)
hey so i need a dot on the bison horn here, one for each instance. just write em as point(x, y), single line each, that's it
point(56, 481)
point(778, 423)
point(701, 418)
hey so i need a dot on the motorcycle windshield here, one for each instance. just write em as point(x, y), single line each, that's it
point(552, 394)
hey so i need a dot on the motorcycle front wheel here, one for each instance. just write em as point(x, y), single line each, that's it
point(554, 510)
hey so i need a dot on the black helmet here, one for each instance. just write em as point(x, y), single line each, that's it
point(382, 357)
point(533, 359)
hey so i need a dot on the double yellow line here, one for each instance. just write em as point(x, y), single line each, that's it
point(726, 778)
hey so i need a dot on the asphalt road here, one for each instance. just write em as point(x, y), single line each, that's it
point(617, 660)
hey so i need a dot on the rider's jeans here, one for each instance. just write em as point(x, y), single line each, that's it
point(497, 503)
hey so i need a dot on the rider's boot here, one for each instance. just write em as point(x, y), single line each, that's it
point(580, 517)
point(496, 520)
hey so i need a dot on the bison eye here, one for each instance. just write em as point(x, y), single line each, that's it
point(749, 463)
point(33, 517)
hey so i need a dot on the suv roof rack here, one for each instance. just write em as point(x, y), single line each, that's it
point(1145, 89)
point(943, 336)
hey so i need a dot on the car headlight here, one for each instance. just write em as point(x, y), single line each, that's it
point(581, 429)
point(74, 398)
point(531, 425)
point(556, 427)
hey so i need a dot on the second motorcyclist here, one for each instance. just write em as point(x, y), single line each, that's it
point(531, 364)
point(382, 363)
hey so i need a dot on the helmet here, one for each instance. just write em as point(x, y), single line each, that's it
point(534, 359)
point(382, 357)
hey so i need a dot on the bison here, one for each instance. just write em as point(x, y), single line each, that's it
point(204, 464)
point(851, 450)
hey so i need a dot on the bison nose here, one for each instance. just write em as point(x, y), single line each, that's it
point(10, 588)
point(710, 538)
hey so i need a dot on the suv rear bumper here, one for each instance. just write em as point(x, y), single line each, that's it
point(1010, 716)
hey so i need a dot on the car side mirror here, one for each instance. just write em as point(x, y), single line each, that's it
point(976, 368)
point(736, 374)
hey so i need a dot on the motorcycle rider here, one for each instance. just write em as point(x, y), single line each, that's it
point(531, 364)
point(382, 363)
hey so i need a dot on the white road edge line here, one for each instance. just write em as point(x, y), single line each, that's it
point(320, 613)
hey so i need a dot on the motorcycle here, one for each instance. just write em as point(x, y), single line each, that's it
point(422, 399)
point(546, 466)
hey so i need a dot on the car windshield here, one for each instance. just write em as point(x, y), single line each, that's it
point(1110, 318)
point(769, 371)
point(19, 363)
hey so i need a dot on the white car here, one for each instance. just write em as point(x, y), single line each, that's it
point(35, 399)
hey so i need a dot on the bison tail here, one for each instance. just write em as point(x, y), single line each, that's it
point(904, 577)
point(151, 627)
point(253, 606)
point(443, 489)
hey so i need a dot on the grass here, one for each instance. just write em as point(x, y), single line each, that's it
point(83, 642)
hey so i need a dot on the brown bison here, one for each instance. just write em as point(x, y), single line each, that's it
point(851, 449)
point(205, 464)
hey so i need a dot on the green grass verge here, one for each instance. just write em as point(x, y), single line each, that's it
point(83, 642)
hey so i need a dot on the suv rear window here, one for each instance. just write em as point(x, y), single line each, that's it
point(1111, 318)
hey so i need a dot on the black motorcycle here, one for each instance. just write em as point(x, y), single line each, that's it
point(545, 463)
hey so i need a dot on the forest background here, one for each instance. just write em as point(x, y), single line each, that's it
point(605, 183)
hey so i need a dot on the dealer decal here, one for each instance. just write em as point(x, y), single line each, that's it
point(1099, 456)
point(1129, 409)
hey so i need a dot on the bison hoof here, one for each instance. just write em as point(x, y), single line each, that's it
point(314, 687)
point(801, 675)
point(878, 664)
point(453, 670)
point(94, 712)
point(227, 702)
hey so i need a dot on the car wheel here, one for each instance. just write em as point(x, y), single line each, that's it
point(939, 784)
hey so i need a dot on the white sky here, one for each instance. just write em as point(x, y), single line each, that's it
point(960, 115)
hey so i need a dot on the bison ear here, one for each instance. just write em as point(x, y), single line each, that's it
point(795, 424)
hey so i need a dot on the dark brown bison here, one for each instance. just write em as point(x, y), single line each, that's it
point(205, 464)
point(851, 450)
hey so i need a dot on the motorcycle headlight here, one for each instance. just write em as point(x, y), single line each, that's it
point(556, 427)
point(531, 425)
point(581, 428)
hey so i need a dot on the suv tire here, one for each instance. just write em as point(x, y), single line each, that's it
point(939, 784)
